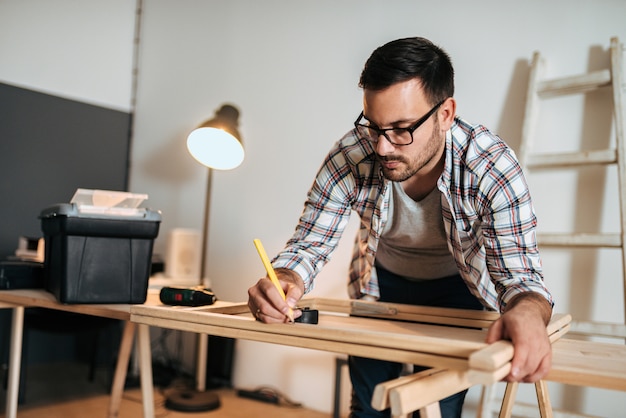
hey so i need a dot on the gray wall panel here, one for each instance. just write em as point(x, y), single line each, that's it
point(49, 147)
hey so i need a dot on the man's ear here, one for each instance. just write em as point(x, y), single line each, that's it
point(446, 113)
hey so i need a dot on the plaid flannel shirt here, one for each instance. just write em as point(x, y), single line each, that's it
point(487, 212)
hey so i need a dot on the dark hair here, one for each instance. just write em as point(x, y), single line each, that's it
point(408, 58)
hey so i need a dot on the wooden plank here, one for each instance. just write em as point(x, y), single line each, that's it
point(431, 411)
point(559, 325)
point(492, 357)
point(351, 348)
point(543, 399)
point(381, 310)
point(531, 109)
point(496, 355)
point(428, 390)
point(589, 363)
point(380, 398)
point(492, 364)
point(509, 400)
point(617, 71)
point(572, 159)
point(145, 367)
point(41, 298)
point(488, 377)
point(579, 240)
point(15, 361)
point(371, 309)
point(428, 314)
point(119, 378)
point(574, 84)
point(444, 340)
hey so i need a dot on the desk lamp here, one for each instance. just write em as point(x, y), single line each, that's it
point(216, 144)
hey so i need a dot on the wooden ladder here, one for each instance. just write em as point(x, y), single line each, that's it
point(540, 88)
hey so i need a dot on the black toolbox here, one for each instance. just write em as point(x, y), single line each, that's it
point(98, 257)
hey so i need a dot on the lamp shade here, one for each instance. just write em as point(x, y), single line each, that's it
point(217, 143)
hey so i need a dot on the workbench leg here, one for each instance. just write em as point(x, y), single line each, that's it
point(508, 400)
point(543, 399)
point(201, 362)
point(15, 361)
point(145, 364)
point(483, 410)
point(431, 411)
point(121, 369)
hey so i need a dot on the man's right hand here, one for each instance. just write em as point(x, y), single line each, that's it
point(266, 303)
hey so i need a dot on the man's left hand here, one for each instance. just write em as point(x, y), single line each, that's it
point(524, 324)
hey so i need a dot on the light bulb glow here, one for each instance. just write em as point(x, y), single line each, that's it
point(215, 148)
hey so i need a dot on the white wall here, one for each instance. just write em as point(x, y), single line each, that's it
point(79, 50)
point(292, 69)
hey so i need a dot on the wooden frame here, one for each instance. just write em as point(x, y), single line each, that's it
point(429, 336)
point(449, 340)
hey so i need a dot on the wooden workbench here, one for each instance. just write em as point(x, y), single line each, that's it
point(21, 299)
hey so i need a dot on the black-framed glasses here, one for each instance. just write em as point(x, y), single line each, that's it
point(395, 136)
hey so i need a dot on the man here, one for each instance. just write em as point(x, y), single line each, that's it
point(446, 218)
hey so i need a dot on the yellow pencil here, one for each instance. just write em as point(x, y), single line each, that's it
point(271, 273)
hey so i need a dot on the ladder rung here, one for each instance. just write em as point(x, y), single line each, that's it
point(579, 240)
point(571, 159)
point(574, 84)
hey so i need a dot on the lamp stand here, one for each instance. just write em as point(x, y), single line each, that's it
point(198, 400)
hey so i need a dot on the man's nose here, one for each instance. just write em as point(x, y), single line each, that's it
point(384, 146)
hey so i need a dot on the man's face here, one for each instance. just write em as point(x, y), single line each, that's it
point(400, 106)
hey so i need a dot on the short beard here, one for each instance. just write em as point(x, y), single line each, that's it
point(414, 166)
point(396, 175)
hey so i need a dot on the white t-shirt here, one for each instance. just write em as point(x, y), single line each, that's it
point(413, 243)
